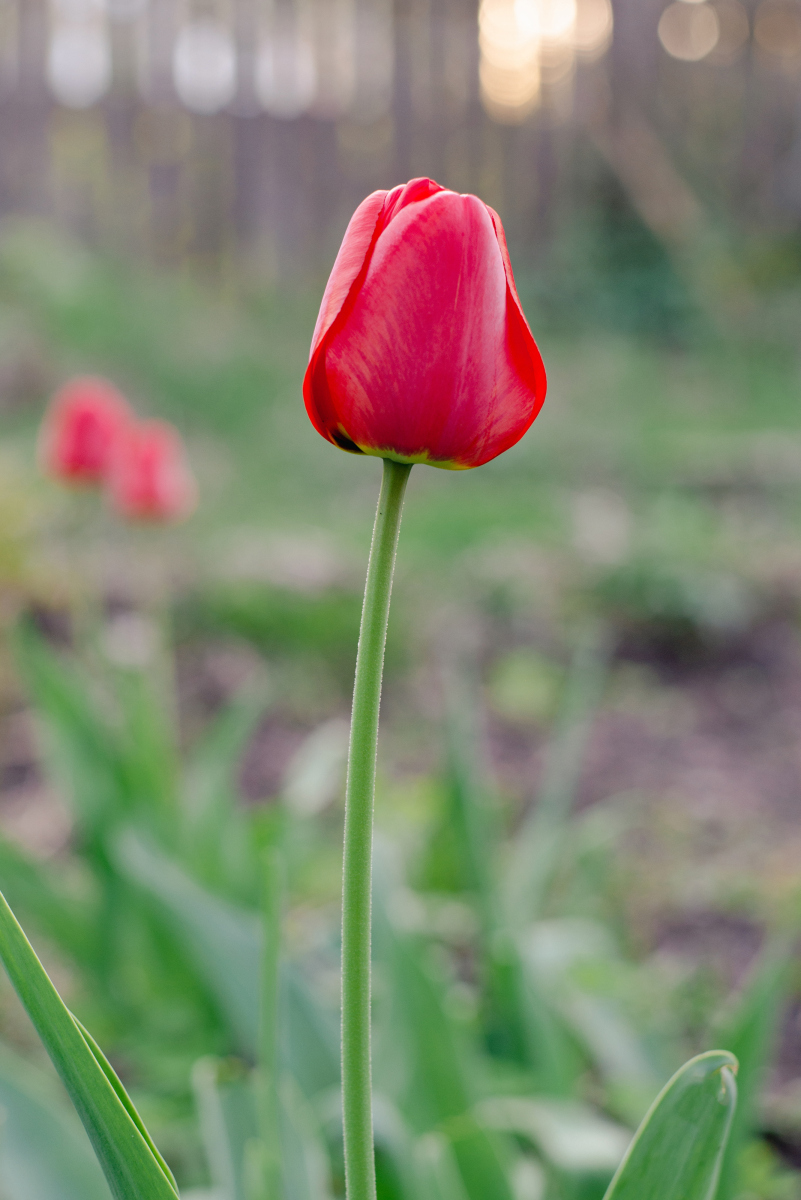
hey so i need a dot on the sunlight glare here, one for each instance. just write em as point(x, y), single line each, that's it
point(593, 30)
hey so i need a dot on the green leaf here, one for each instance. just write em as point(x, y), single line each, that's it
point(31, 889)
point(148, 744)
point(569, 1135)
point(437, 1169)
point(216, 836)
point(566, 959)
point(416, 1039)
point(520, 1022)
point(677, 1151)
point(222, 940)
point(538, 844)
point(524, 1024)
point(472, 808)
point(124, 1098)
point(227, 1099)
point(268, 1074)
point(225, 944)
point(395, 1158)
point(228, 1123)
point(305, 1165)
point(132, 1170)
point(110, 746)
point(750, 1028)
point(44, 1152)
point(211, 770)
point(315, 776)
point(83, 748)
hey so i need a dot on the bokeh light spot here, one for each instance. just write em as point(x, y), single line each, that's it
point(509, 70)
point(594, 26)
point(689, 31)
point(529, 50)
point(734, 30)
point(777, 29)
point(204, 66)
point(79, 63)
point(286, 75)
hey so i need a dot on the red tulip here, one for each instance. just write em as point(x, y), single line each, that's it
point(82, 425)
point(149, 478)
point(421, 352)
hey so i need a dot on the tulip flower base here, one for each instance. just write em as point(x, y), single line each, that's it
point(357, 859)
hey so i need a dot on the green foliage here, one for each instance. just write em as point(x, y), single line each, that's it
point(750, 1029)
point(608, 270)
point(44, 1152)
point(133, 1167)
point(279, 621)
point(546, 1040)
point(481, 1072)
point(677, 1152)
point(113, 754)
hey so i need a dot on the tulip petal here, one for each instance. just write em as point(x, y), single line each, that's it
point(352, 254)
point(410, 193)
point(365, 226)
point(427, 367)
point(421, 351)
point(84, 420)
point(525, 348)
point(363, 229)
point(149, 478)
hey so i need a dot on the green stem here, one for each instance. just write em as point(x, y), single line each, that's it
point(357, 1111)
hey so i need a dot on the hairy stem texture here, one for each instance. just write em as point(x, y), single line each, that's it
point(357, 865)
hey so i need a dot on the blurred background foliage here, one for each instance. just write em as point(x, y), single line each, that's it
point(590, 764)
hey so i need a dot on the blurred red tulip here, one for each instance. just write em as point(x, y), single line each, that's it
point(421, 352)
point(81, 427)
point(150, 478)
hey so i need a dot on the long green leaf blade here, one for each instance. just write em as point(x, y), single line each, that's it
point(124, 1098)
point(677, 1151)
point(132, 1172)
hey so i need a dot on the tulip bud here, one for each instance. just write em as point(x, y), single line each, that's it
point(149, 478)
point(81, 427)
point(421, 352)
